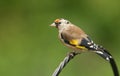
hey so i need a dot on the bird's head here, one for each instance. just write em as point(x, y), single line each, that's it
point(60, 23)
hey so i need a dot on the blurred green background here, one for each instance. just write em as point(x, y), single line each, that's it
point(29, 46)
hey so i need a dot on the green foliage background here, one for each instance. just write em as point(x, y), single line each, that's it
point(29, 46)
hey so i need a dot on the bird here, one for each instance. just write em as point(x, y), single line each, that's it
point(76, 39)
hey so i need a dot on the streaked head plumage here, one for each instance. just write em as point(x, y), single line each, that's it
point(60, 22)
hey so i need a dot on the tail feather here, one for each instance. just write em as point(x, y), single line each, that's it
point(107, 56)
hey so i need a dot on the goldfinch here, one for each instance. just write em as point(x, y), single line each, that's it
point(75, 38)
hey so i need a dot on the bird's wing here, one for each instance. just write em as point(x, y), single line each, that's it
point(76, 37)
point(73, 35)
point(73, 32)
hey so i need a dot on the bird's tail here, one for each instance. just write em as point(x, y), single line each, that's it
point(107, 56)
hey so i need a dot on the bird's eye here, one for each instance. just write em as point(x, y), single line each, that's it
point(59, 22)
point(67, 22)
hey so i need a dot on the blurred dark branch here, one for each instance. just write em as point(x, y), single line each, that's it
point(70, 56)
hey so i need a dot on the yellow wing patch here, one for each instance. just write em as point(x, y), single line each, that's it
point(77, 45)
point(81, 47)
point(74, 42)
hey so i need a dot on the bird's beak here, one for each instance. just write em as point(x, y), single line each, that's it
point(53, 25)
